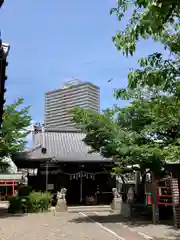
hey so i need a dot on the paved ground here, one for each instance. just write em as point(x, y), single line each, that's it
point(135, 230)
point(79, 226)
point(48, 227)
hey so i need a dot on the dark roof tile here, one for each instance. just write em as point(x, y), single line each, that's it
point(63, 146)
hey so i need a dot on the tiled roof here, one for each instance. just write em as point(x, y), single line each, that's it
point(62, 145)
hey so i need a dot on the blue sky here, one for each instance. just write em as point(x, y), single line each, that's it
point(55, 41)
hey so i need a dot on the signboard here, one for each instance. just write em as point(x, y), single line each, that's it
point(50, 186)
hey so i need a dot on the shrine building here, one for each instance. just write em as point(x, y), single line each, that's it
point(60, 158)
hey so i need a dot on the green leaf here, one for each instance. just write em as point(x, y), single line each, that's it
point(14, 130)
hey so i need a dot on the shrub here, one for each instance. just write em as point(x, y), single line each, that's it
point(15, 204)
point(35, 202)
point(39, 201)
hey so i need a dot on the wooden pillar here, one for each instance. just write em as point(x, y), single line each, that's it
point(6, 194)
point(13, 190)
point(81, 187)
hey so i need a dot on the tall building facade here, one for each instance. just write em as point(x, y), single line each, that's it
point(60, 102)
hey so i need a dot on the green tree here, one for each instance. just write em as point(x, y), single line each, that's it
point(100, 130)
point(157, 79)
point(141, 132)
point(14, 130)
point(122, 134)
point(146, 132)
point(131, 135)
point(149, 19)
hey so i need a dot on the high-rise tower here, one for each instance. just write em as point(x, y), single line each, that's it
point(58, 103)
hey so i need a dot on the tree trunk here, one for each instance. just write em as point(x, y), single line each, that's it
point(137, 181)
point(155, 209)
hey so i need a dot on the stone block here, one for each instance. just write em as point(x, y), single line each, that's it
point(116, 204)
point(125, 210)
point(61, 205)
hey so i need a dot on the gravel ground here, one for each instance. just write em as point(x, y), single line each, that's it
point(48, 227)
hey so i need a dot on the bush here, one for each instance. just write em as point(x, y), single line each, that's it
point(15, 204)
point(35, 202)
point(39, 202)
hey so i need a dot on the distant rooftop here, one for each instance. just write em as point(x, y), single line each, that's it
point(70, 84)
